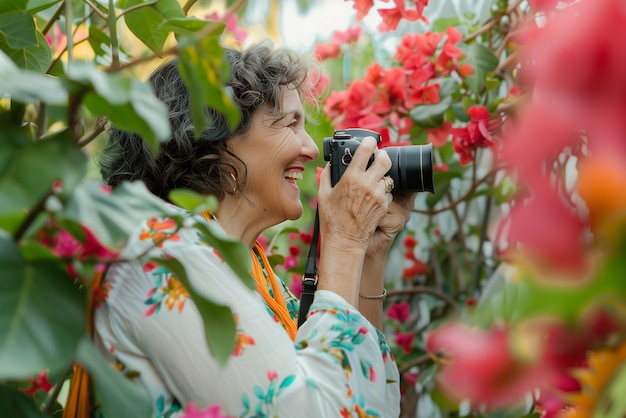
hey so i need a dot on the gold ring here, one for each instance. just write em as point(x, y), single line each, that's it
point(389, 183)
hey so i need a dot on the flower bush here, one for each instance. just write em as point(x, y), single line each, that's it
point(506, 296)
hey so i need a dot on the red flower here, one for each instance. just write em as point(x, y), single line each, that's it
point(404, 340)
point(439, 136)
point(37, 383)
point(362, 8)
point(392, 16)
point(327, 51)
point(351, 35)
point(399, 311)
point(473, 136)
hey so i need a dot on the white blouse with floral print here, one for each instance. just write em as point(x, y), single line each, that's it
point(338, 366)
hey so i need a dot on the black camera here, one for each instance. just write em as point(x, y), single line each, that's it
point(411, 165)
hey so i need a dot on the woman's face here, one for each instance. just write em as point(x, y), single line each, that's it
point(275, 152)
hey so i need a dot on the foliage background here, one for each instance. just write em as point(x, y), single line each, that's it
point(506, 288)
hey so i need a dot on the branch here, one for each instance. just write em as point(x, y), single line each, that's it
point(96, 10)
point(54, 18)
point(421, 359)
point(189, 5)
point(96, 130)
point(136, 7)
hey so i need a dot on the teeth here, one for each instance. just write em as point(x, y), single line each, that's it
point(293, 174)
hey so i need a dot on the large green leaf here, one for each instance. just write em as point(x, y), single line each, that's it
point(25, 45)
point(32, 6)
point(17, 405)
point(118, 396)
point(18, 30)
point(113, 215)
point(42, 314)
point(431, 115)
point(219, 323)
point(205, 71)
point(126, 101)
point(26, 86)
point(28, 169)
point(145, 22)
point(190, 26)
point(483, 61)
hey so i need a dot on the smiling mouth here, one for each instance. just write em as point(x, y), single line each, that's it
point(293, 175)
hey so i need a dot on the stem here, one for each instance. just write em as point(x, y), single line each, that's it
point(96, 130)
point(53, 19)
point(96, 10)
point(133, 8)
point(30, 218)
point(189, 5)
point(421, 359)
point(48, 405)
point(112, 23)
point(69, 17)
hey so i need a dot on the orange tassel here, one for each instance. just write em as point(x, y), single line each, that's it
point(79, 400)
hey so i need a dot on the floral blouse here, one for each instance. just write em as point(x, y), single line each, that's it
point(338, 366)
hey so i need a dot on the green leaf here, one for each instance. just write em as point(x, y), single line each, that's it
point(234, 252)
point(126, 101)
point(218, 320)
point(118, 396)
point(190, 200)
point(205, 71)
point(17, 405)
point(18, 30)
point(112, 216)
point(8, 6)
point(31, 55)
point(145, 22)
point(42, 314)
point(190, 26)
point(483, 61)
point(28, 86)
point(27, 174)
point(431, 115)
point(35, 6)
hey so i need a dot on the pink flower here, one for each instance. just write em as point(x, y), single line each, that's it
point(439, 136)
point(404, 341)
point(362, 8)
point(326, 51)
point(37, 383)
point(351, 35)
point(399, 311)
point(272, 375)
point(192, 411)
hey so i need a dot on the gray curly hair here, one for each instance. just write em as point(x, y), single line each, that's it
point(205, 165)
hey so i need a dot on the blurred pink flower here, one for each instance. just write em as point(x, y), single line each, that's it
point(40, 382)
point(404, 340)
point(399, 311)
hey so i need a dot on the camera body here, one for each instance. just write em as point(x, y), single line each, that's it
point(411, 165)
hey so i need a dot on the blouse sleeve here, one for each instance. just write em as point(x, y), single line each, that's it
point(339, 364)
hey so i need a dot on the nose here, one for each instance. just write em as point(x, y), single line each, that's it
point(309, 147)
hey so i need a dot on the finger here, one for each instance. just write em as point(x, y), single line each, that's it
point(362, 155)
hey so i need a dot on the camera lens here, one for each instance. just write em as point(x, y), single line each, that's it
point(412, 168)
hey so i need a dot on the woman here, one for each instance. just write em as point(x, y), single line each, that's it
point(337, 363)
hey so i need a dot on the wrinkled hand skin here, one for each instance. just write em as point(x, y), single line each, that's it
point(355, 215)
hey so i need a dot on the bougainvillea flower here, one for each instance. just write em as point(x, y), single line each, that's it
point(447, 59)
point(362, 8)
point(399, 311)
point(40, 382)
point(232, 25)
point(350, 35)
point(404, 340)
point(474, 135)
point(327, 51)
point(478, 365)
point(439, 136)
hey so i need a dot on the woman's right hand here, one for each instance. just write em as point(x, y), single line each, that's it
point(352, 209)
point(349, 214)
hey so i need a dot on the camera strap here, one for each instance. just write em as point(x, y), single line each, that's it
point(309, 279)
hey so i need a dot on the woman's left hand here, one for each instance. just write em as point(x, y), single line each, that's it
point(391, 224)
